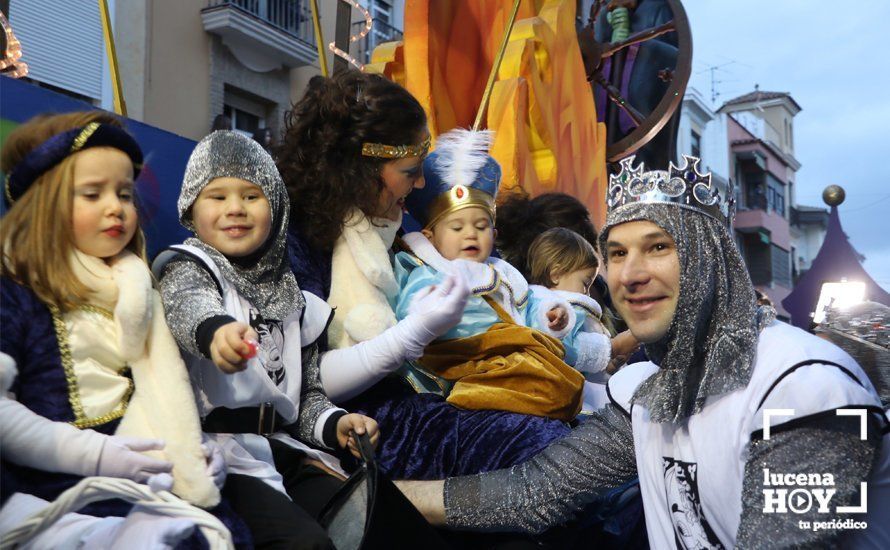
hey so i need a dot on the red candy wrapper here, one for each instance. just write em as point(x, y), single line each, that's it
point(253, 345)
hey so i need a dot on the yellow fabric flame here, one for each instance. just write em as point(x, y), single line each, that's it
point(542, 110)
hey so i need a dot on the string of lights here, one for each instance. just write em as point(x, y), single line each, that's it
point(11, 65)
point(369, 22)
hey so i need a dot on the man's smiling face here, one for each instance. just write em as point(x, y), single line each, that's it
point(644, 277)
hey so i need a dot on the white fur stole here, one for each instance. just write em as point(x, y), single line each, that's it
point(162, 405)
point(362, 280)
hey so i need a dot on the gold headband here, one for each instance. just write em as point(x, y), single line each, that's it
point(381, 150)
point(458, 198)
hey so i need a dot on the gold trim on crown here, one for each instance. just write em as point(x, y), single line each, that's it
point(458, 198)
point(384, 151)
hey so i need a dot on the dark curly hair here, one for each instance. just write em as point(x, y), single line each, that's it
point(521, 219)
point(320, 155)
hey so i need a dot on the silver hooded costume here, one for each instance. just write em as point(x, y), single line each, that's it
point(192, 300)
point(706, 358)
point(709, 347)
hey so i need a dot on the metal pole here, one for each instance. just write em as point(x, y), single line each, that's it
point(319, 39)
point(120, 107)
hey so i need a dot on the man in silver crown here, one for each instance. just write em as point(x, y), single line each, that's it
point(744, 431)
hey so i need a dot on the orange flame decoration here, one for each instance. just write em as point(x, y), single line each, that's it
point(547, 137)
point(10, 64)
point(369, 22)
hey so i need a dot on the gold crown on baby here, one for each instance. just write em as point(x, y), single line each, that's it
point(683, 185)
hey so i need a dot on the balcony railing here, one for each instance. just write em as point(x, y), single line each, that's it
point(381, 32)
point(290, 16)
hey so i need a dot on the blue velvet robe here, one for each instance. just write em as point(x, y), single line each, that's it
point(29, 337)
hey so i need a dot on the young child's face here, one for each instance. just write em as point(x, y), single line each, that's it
point(104, 213)
point(233, 216)
point(578, 281)
point(466, 234)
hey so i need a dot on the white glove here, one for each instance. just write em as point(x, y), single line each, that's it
point(8, 372)
point(160, 482)
point(437, 308)
point(348, 372)
point(216, 462)
point(30, 439)
point(122, 457)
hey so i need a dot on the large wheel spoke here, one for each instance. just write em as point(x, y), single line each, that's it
point(638, 37)
point(594, 52)
point(615, 95)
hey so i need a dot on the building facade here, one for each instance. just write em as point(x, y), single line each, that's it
point(702, 134)
point(749, 140)
point(760, 132)
point(808, 227)
point(183, 64)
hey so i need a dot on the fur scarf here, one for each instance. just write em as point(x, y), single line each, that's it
point(162, 405)
point(362, 280)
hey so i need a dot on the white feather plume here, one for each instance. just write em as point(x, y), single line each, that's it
point(461, 153)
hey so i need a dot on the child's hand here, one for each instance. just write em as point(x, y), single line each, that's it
point(233, 344)
point(557, 318)
point(359, 424)
point(624, 343)
point(623, 346)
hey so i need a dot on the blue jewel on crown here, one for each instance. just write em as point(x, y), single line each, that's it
point(682, 185)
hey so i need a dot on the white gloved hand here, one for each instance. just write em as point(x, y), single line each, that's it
point(8, 372)
point(122, 457)
point(436, 309)
point(216, 462)
point(160, 482)
point(347, 372)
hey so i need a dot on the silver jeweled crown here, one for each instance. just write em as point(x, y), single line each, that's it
point(684, 186)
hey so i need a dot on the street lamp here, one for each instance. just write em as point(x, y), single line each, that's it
point(838, 295)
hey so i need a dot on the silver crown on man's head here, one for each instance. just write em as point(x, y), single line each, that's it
point(683, 185)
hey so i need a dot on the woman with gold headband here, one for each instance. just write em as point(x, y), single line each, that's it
point(353, 151)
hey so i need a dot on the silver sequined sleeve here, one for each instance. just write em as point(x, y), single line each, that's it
point(190, 297)
point(550, 488)
point(313, 400)
point(825, 445)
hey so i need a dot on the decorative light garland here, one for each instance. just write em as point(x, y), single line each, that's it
point(13, 53)
point(369, 22)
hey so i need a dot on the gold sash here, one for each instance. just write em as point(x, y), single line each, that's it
point(509, 367)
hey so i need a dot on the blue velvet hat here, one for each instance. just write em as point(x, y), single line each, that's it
point(459, 174)
point(52, 151)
